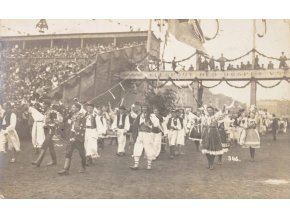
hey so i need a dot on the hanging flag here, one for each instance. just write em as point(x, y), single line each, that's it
point(187, 31)
point(112, 95)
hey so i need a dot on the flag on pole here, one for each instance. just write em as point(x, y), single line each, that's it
point(187, 31)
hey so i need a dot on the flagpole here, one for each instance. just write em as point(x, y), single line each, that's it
point(253, 92)
point(148, 49)
point(149, 36)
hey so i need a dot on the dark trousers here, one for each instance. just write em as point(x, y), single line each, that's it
point(48, 143)
point(80, 147)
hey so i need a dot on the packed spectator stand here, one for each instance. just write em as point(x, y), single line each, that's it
point(26, 71)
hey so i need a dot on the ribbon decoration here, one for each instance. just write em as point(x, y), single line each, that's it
point(122, 101)
point(112, 94)
point(265, 29)
point(122, 86)
point(217, 31)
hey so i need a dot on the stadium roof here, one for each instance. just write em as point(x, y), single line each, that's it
point(77, 36)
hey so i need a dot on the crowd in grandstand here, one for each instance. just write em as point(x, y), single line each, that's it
point(21, 76)
point(88, 51)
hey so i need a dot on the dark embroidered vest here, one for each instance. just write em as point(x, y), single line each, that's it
point(6, 116)
point(123, 121)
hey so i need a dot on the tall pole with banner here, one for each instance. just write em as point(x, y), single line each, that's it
point(253, 91)
point(148, 49)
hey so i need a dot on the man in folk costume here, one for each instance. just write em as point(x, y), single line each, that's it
point(95, 126)
point(37, 132)
point(174, 125)
point(181, 134)
point(51, 120)
point(142, 135)
point(76, 139)
point(121, 125)
point(132, 117)
point(102, 126)
point(157, 131)
point(91, 138)
point(8, 133)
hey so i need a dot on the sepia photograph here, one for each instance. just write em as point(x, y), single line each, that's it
point(144, 108)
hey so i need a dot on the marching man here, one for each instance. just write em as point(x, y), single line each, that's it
point(91, 137)
point(8, 133)
point(142, 135)
point(121, 125)
point(95, 126)
point(76, 139)
point(51, 120)
point(181, 134)
point(37, 132)
point(174, 126)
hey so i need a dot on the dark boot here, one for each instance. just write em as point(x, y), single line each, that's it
point(177, 150)
point(66, 167)
point(53, 157)
point(163, 148)
point(39, 159)
point(89, 161)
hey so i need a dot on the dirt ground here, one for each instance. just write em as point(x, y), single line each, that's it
point(184, 177)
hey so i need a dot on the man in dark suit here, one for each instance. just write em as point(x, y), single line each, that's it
point(76, 139)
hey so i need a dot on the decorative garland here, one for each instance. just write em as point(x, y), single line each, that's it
point(238, 87)
point(227, 60)
point(266, 56)
point(180, 87)
point(209, 87)
point(182, 60)
point(272, 86)
point(160, 86)
point(230, 60)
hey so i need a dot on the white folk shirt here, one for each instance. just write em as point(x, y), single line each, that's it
point(101, 123)
point(36, 115)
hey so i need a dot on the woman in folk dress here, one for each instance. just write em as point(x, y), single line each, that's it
point(211, 144)
point(250, 136)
